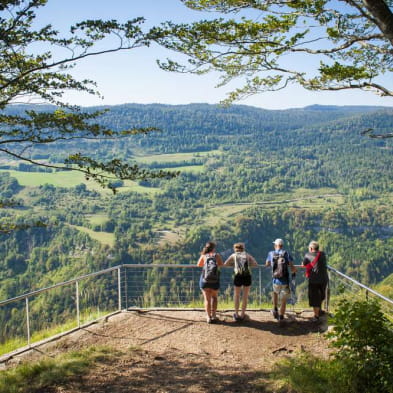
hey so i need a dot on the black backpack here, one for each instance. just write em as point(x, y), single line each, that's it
point(280, 265)
point(241, 264)
point(210, 272)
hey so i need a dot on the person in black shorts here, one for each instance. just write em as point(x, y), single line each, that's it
point(242, 263)
point(210, 286)
point(316, 272)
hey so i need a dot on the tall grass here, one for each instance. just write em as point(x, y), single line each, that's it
point(34, 377)
point(19, 342)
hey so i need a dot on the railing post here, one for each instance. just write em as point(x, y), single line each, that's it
point(126, 287)
point(78, 319)
point(27, 321)
point(327, 295)
point(119, 286)
point(192, 286)
point(260, 284)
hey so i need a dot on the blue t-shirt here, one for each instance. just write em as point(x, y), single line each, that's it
point(288, 258)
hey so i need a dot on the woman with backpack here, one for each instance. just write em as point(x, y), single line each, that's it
point(242, 263)
point(210, 262)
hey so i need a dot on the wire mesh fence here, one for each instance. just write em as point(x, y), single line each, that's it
point(33, 317)
point(41, 314)
point(147, 286)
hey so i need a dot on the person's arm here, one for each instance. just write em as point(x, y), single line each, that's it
point(230, 261)
point(219, 260)
point(268, 260)
point(252, 260)
point(305, 261)
point(292, 267)
point(201, 261)
point(291, 264)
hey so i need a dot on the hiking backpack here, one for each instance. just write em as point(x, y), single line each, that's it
point(280, 265)
point(241, 264)
point(210, 269)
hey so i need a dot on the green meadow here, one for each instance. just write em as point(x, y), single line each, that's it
point(178, 157)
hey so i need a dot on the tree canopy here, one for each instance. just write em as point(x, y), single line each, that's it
point(35, 64)
point(344, 44)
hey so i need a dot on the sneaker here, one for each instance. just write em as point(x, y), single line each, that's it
point(209, 320)
point(236, 318)
point(214, 319)
point(281, 317)
point(315, 319)
point(274, 313)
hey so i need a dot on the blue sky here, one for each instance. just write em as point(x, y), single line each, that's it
point(134, 77)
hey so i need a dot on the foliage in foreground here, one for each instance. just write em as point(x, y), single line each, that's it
point(363, 362)
point(36, 376)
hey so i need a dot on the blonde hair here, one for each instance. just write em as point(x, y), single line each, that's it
point(314, 245)
point(239, 247)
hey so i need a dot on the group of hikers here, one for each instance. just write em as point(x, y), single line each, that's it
point(282, 270)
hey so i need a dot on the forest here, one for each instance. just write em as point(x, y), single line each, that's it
point(245, 174)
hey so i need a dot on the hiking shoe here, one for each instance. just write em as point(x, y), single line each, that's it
point(315, 319)
point(274, 313)
point(236, 318)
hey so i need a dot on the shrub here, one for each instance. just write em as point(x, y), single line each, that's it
point(364, 337)
point(363, 362)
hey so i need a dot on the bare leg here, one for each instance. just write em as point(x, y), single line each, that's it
point(207, 296)
point(246, 291)
point(214, 301)
point(275, 300)
point(316, 311)
point(283, 305)
point(237, 299)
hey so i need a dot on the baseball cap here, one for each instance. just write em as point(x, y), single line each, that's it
point(279, 242)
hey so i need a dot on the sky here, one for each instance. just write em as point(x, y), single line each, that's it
point(134, 76)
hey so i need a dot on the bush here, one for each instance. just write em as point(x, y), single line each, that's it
point(363, 362)
point(364, 337)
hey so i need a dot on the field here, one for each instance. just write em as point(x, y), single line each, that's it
point(71, 179)
point(178, 157)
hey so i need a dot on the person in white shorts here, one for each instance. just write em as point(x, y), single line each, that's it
point(281, 263)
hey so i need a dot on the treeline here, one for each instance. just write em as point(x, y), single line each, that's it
point(257, 155)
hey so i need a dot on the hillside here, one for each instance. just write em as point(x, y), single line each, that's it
point(246, 174)
point(168, 351)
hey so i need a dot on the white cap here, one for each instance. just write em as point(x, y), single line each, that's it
point(279, 242)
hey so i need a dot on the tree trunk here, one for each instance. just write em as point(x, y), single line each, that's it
point(382, 15)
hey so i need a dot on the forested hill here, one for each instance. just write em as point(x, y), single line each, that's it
point(247, 174)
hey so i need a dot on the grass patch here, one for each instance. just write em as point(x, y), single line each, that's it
point(177, 157)
point(308, 374)
point(189, 168)
point(105, 238)
point(59, 179)
point(19, 342)
point(69, 179)
point(97, 219)
point(135, 187)
point(48, 374)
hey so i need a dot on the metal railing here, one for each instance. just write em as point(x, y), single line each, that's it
point(25, 320)
point(341, 284)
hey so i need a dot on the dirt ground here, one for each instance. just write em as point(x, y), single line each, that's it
point(177, 351)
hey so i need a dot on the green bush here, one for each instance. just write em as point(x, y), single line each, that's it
point(364, 339)
point(362, 362)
